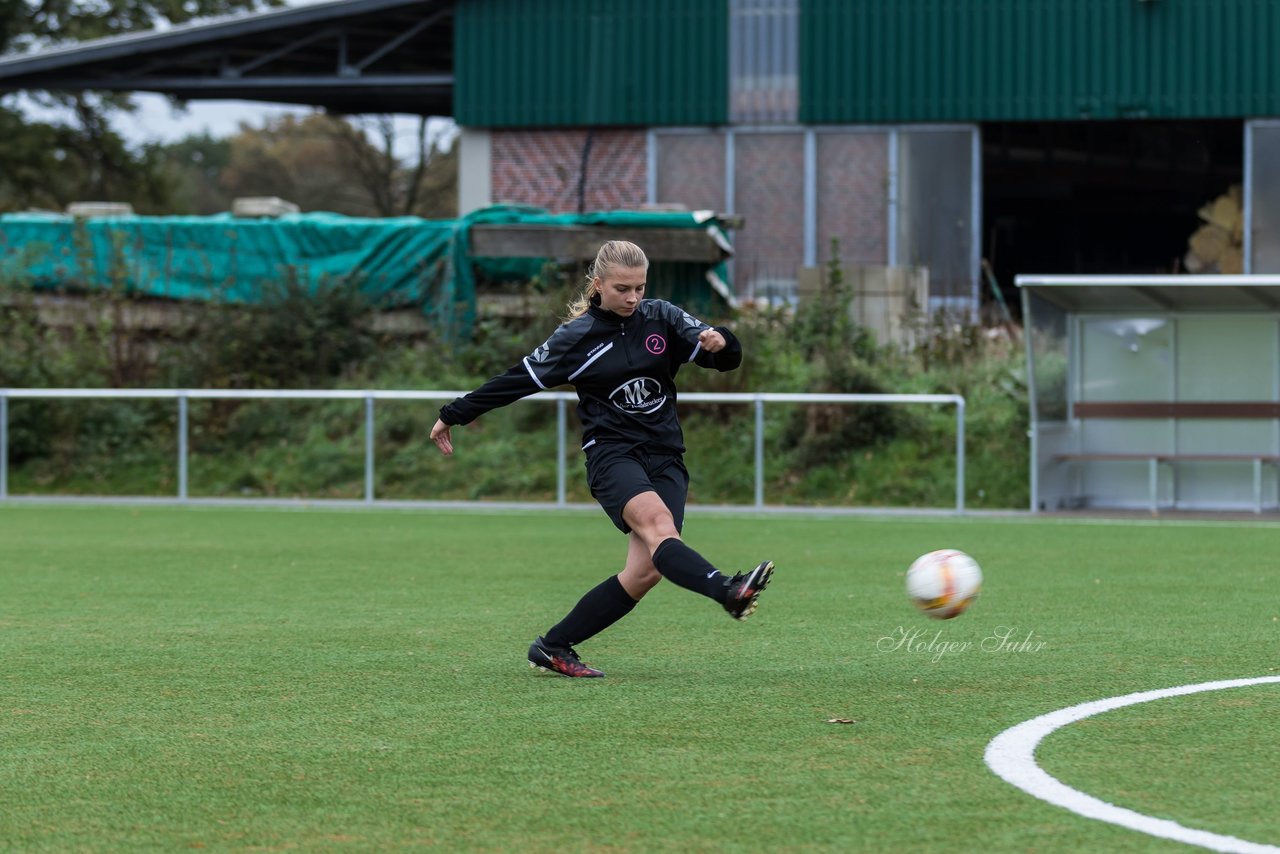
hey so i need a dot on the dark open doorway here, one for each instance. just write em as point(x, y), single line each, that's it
point(1100, 196)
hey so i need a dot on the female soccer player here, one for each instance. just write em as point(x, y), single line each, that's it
point(621, 353)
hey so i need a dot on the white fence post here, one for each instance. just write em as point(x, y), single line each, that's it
point(368, 448)
point(759, 449)
point(183, 433)
point(4, 443)
point(959, 454)
point(562, 430)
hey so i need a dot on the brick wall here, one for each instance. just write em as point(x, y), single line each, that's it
point(691, 170)
point(542, 167)
point(853, 202)
point(769, 195)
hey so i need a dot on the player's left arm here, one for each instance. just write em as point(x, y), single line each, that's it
point(705, 345)
point(718, 348)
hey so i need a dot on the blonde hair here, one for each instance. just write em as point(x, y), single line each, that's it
point(614, 254)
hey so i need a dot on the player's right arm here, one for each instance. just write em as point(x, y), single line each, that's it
point(548, 366)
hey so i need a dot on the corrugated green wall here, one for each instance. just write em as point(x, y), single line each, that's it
point(549, 63)
point(546, 63)
point(969, 60)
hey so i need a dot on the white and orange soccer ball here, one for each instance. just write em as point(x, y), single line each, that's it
point(943, 583)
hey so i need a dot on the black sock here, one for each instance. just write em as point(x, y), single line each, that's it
point(688, 569)
point(604, 605)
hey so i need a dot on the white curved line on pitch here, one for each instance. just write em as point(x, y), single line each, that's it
point(1011, 755)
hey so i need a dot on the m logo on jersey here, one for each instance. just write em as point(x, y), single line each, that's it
point(540, 354)
point(639, 396)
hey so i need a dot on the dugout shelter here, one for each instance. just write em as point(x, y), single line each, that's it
point(1153, 392)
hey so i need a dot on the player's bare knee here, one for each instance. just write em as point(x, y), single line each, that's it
point(648, 579)
point(657, 534)
point(638, 580)
point(653, 525)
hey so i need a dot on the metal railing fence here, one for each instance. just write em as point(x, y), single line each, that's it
point(561, 399)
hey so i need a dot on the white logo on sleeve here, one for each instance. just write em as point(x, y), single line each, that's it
point(639, 396)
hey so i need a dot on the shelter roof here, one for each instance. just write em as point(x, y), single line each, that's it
point(348, 56)
point(1108, 294)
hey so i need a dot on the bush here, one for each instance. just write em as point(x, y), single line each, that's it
point(297, 337)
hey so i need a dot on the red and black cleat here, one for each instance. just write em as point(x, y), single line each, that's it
point(559, 659)
point(744, 590)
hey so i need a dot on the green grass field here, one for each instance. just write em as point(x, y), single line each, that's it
point(322, 680)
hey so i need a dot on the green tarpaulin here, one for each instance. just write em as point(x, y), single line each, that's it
point(397, 262)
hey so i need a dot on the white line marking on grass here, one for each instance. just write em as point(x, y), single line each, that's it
point(1011, 755)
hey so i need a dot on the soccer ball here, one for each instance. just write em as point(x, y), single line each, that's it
point(943, 583)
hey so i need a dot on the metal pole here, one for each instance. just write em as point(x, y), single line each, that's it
point(368, 448)
point(1033, 415)
point(561, 430)
point(960, 455)
point(975, 222)
point(759, 451)
point(1247, 213)
point(892, 214)
point(730, 164)
point(4, 445)
point(651, 166)
point(1153, 483)
point(1257, 485)
point(810, 198)
point(183, 417)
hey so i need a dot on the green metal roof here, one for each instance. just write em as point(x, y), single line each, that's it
point(950, 60)
point(590, 62)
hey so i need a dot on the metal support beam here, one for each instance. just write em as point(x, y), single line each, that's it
point(231, 85)
point(397, 41)
point(284, 50)
point(344, 69)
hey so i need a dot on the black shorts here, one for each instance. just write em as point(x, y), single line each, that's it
point(618, 474)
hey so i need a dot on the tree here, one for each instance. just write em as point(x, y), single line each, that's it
point(322, 162)
point(426, 186)
point(50, 163)
point(193, 168)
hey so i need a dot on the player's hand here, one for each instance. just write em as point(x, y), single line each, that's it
point(712, 341)
point(440, 435)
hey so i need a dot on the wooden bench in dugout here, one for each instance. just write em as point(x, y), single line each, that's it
point(1170, 409)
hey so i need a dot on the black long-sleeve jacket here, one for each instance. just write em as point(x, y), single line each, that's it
point(623, 369)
